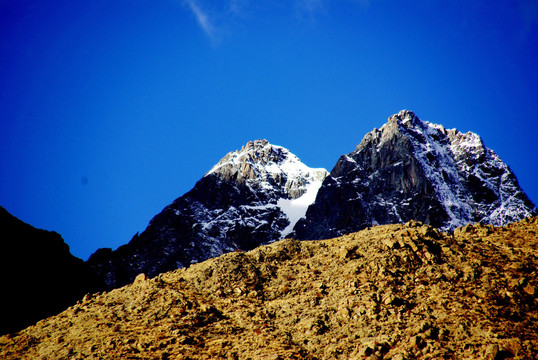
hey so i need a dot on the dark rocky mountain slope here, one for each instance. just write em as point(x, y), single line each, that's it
point(40, 277)
point(250, 197)
point(412, 169)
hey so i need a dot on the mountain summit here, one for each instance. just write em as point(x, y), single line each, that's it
point(252, 196)
point(410, 169)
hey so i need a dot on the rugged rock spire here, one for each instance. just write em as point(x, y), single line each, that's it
point(411, 169)
point(250, 197)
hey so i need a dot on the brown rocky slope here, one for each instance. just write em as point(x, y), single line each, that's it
point(387, 292)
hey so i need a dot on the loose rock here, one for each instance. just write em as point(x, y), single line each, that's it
point(362, 295)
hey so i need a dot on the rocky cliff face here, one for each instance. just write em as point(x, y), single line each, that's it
point(407, 170)
point(250, 197)
point(411, 169)
point(403, 291)
point(40, 276)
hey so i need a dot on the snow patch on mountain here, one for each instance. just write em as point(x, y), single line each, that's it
point(270, 167)
point(452, 161)
point(289, 184)
point(438, 163)
point(295, 209)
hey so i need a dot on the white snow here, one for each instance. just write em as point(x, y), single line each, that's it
point(258, 207)
point(289, 164)
point(279, 179)
point(295, 209)
point(453, 159)
point(453, 196)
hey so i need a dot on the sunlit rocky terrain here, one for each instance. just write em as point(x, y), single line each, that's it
point(387, 292)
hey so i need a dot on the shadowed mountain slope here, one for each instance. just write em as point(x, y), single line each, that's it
point(40, 276)
point(252, 196)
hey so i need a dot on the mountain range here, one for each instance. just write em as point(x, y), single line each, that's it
point(408, 169)
point(250, 197)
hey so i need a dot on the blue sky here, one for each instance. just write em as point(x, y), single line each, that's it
point(109, 110)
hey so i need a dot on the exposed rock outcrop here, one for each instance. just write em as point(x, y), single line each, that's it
point(411, 169)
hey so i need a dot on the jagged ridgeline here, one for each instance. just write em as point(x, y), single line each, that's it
point(412, 169)
point(407, 170)
point(40, 276)
point(250, 197)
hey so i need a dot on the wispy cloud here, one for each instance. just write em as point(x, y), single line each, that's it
point(215, 18)
point(237, 7)
point(310, 5)
point(202, 17)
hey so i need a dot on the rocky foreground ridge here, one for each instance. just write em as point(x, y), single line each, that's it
point(403, 291)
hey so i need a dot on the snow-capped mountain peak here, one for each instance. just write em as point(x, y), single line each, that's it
point(470, 180)
point(408, 169)
point(252, 196)
point(286, 182)
point(268, 166)
point(413, 169)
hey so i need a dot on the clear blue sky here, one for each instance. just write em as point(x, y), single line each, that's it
point(109, 110)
